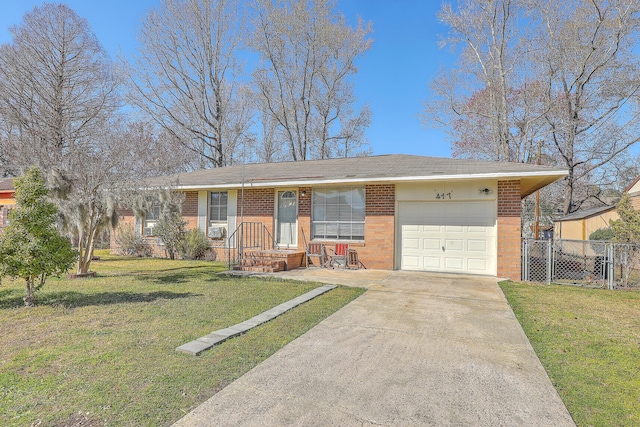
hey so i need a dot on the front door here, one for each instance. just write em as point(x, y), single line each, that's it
point(287, 220)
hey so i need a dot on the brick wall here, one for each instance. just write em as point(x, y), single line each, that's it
point(304, 216)
point(258, 206)
point(381, 200)
point(258, 202)
point(509, 207)
point(190, 209)
point(379, 227)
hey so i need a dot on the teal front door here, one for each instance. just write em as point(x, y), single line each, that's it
point(287, 219)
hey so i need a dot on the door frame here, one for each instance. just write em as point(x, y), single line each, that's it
point(276, 218)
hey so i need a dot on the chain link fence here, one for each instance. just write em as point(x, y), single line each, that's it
point(578, 262)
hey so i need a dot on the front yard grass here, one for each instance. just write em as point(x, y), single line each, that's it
point(103, 349)
point(588, 340)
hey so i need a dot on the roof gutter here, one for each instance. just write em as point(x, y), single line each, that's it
point(308, 182)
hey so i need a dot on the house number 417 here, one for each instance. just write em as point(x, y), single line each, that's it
point(443, 195)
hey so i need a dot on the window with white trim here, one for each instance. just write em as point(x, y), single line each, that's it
point(338, 213)
point(151, 220)
point(218, 201)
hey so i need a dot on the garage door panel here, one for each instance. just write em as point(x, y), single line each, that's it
point(477, 245)
point(431, 244)
point(477, 265)
point(432, 263)
point(448, 236)
point(411, 262)
point(410, 243)
point(455, 263)
point(454, 244)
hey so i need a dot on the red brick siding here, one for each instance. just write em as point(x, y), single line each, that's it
point(258, 202)
point(509, 229)
point(190, 209)
point(258, 206)
point(380, 200)
point(304, 216)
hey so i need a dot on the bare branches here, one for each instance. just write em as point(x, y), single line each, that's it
point(560, 75)
point(308, 54)
point(56, 86)
point(187, 77)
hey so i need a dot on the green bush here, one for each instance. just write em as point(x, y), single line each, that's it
point(170, 230)
point(194, 244)
point(604, 234)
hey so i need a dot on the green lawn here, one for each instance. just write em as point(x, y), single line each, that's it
point(105, 347)
point(589, 342)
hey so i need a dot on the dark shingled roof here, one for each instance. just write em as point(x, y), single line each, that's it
point(393, 167)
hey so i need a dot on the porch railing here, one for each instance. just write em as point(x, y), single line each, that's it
point(248, 236)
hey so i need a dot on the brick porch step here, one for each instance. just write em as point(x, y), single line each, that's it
point(264, 265)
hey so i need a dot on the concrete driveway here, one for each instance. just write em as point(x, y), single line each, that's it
point(417, 349)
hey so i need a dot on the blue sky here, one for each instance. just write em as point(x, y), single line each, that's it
point(393, 76)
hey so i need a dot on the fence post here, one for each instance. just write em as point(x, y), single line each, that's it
point(550, 261)
point(524, 274)
point(610, 265)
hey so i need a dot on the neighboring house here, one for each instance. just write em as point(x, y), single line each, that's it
point(398, 211)
point(7, 200)
point(580, 224)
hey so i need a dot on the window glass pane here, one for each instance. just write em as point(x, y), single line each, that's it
point(331, 213)
point(344, 230)
point(154, 213)
point(357, 229)
point(318, 196)
point(218, 206)
point(358, 213)
point(319, 213)
point(358, 197)
point(331, 230)
point(318, 231)
point(332, 196)
point(344, 213)
point(338, 213)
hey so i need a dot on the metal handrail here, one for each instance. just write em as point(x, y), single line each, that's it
point(248, 236)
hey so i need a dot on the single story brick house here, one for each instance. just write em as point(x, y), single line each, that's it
point(397, 211)
point(580, 224)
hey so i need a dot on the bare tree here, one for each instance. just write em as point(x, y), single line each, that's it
point(562, 76)
point(57, 103)
point(151, 150)
point(592, 78)
point(488, 94)
point(187, 76)
point(56, 87)
point(308, 55)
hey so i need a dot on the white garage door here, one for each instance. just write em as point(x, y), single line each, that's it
point(448, 236)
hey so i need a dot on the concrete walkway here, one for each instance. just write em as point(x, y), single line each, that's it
point(417, 349)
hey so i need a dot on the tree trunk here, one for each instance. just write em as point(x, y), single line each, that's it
point(29, 298)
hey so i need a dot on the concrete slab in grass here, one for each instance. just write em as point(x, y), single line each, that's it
point(206, 342)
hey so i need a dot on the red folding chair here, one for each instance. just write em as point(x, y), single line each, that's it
point(340, 255)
